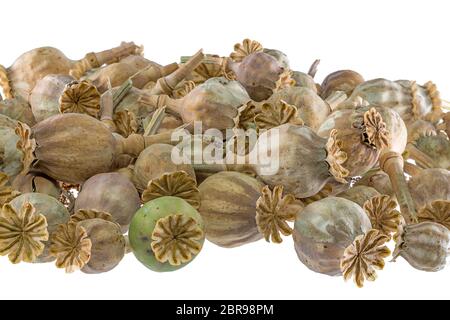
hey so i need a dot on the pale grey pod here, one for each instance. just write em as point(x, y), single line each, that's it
point(304, 80)
point(425, 246)
point(281, 57)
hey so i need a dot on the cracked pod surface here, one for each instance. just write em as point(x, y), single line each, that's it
point(228, 207)
point(155, 224)
point(53, 210)
point(112, 193)
point(324, 229)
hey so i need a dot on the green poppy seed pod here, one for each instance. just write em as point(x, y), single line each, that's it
point(426, 246)
point(324, 229)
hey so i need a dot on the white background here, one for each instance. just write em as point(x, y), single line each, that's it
point(391, 39)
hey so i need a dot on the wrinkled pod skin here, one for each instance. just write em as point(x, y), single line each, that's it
point(54, 212)
point(112, 193)
point(228, 208)
point(342, 80)
point(324, 229)
point(426, 246)
point(429, 185)
point(398, 95)
point(300, 160)
point(108, 245)
point(37, 183)
point(144, 223)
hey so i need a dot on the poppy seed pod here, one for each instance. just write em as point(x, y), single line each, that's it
point(342, 80)
point(428, 186)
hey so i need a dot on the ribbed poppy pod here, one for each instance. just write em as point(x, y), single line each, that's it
point(324, 229)
point(55, 94)
point(342, 80)
point(17, 109)
point(228, 208)
point(429, 185)
point(426, 246)
point(19, 79)
point(302, 161)
point(363, 134)
point(111, 193)
point(410, 100)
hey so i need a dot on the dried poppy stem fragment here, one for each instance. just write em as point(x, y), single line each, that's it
point(383, 214)
point(71, 247)
point(177, 184)
point(273, 211)
point(364, 256)
point(7, 193)
point(22, 233)
point(176, 239)
point(392, 163)
point(274, 115)
point(438, 211)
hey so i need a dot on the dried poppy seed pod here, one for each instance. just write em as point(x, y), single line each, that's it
point(428, 186)
point(377, 179)
point(111, 193)
point(54, 212)
point(55, 94)
point(10, 154)
point(324, 229)
point(408, 99)
point(359, 194)
point(156, 160)
point(363, 133)
point(215, 103)
point(228, 208)
point(17, 109)
point(37, 183)
point(311, 108)
point(342, 80)
point(166, 234)
point(420, 128)
point(306, 161)
point(304, 80)
point(21, 77)
point(281, 57)
point(430, 151)
point(426, 246)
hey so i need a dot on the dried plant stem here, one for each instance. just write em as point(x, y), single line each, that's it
point(107, 108)
point(412, 169)
point(121, 93)
point(155, 122)
point(314, 68)
point(152, 73)
point(392, 163)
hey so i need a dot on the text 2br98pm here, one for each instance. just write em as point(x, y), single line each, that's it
point(223, 310)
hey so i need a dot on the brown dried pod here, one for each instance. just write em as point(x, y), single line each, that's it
point(304, 80)
point(21, 77)
point(382, 213)
point(94, 246)
point(50, 208)
point(273, 211)
point(112, 193)
point(342, 80)
point(17, 109)
point(155, 161)
point(275, 115)
point(359, 194)
point(430, 151)
point(306, 161)
point(39, 183)
point(56, 156)
point(324, 229)
point(281, 57)
point(215, 103)
point(420, 128)
point(365, 256)
point(22, 233)
point(55, 94)
point(176, 184)
point(408, 99)
point(428, 186)
point(126, 123)
point(437, 211)
point(445, 126)
point(425, 246)
point(228, 208)
point(7, 192)
point(377, 179)
point(363, 135)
